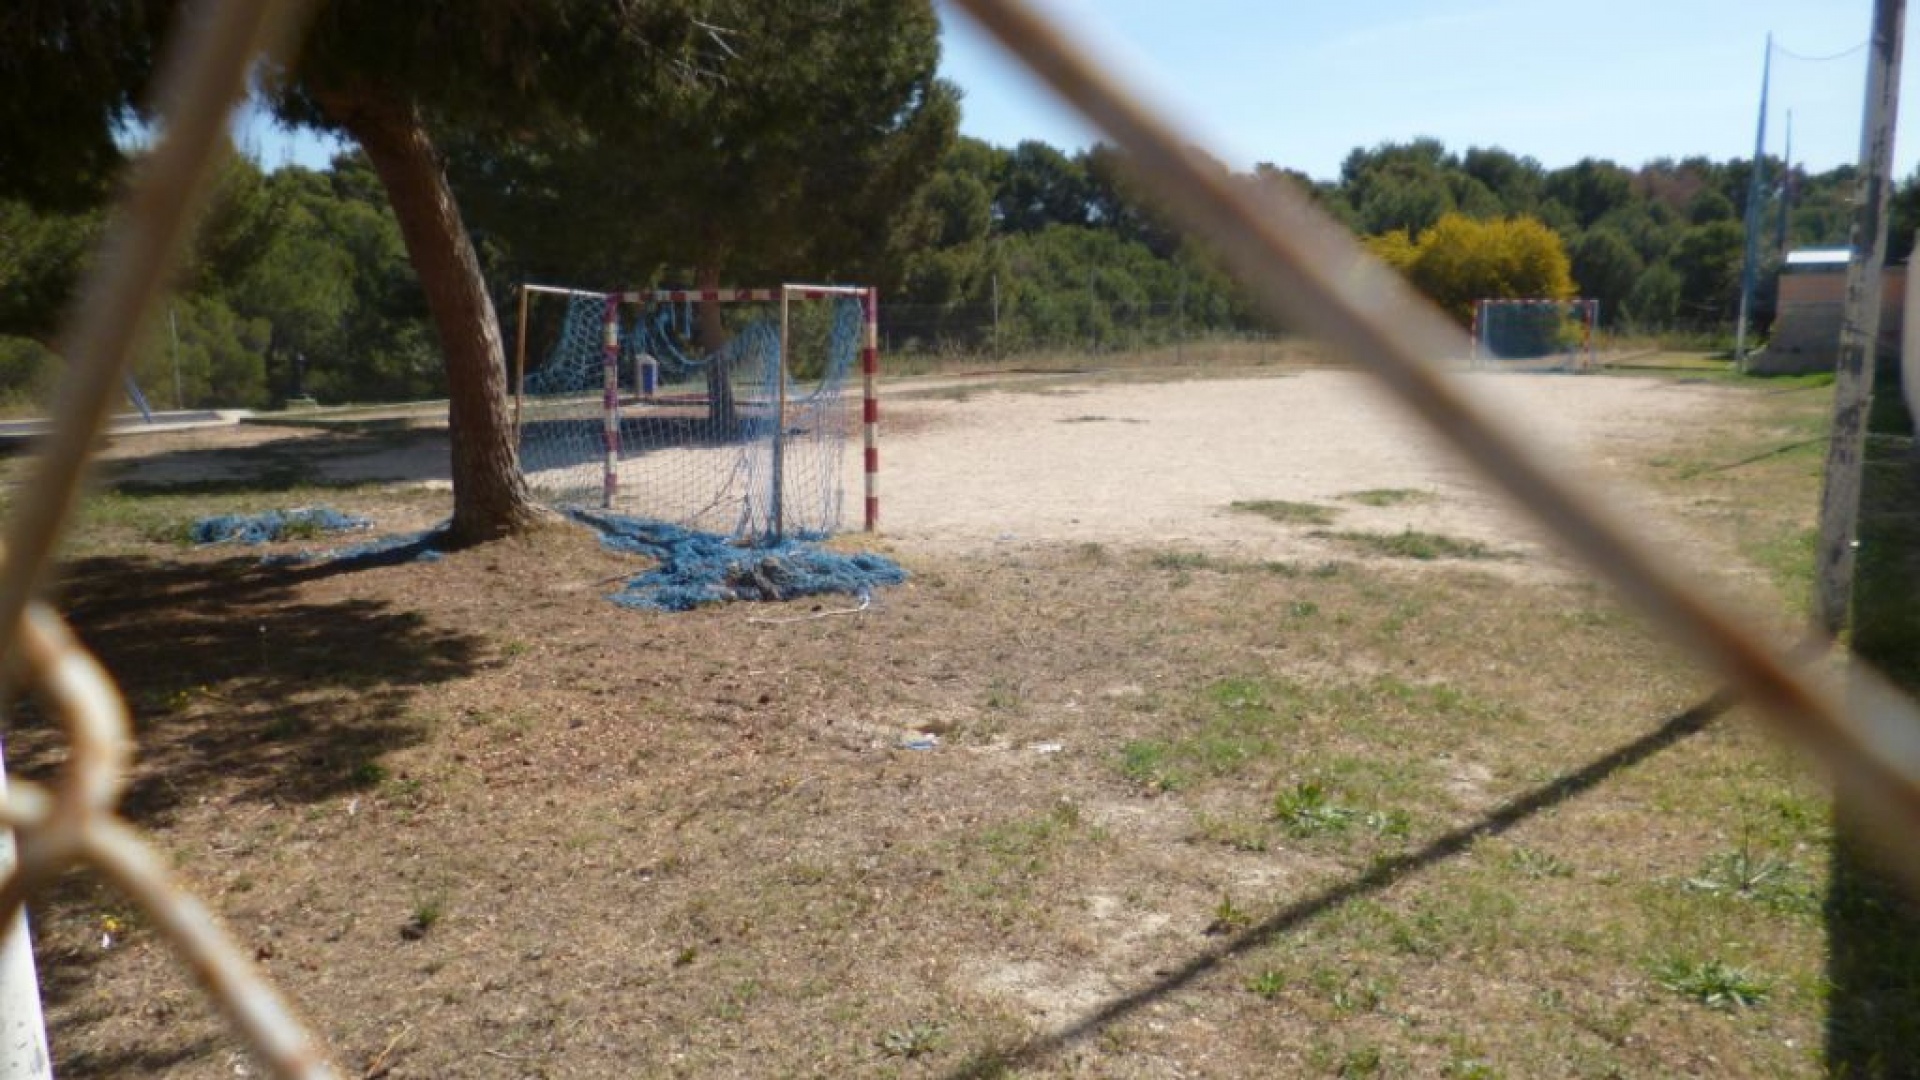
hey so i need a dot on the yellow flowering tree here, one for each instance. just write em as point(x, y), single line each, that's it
point(1463, 259)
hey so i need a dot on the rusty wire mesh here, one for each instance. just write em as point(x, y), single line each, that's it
point(74, 822)
point(1299, 263)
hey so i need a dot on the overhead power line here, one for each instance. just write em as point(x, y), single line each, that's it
point(1841, 55)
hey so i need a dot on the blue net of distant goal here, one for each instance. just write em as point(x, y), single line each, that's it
point(1535, 333)
point(737, 440)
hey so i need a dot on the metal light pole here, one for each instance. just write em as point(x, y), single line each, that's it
point(1749, 269)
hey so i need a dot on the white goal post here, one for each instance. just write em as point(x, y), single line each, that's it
point(1535, 332)
point(745, 440)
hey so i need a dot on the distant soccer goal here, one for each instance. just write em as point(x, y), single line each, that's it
point(723, 410)
point(1534, 333)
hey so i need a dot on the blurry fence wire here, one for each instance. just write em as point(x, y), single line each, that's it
point(75, 822)
point(1295, 261)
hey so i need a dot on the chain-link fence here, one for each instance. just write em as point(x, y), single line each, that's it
point(1296, 263)
point(1084, 326)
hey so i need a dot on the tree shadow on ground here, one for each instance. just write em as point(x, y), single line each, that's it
point(239, 684)
point(337, 459)
point(1384, 875)
point(1873, 928)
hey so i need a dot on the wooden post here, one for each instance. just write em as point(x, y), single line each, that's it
point(1860, 325)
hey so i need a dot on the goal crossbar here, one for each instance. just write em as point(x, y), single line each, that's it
point(783, 295)
point(1580, 315)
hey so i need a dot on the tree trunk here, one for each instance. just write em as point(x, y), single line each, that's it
point(490, 496)
point(723, 413)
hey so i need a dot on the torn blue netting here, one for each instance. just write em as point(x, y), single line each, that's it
point(274, 525)
point(382, 551)
point(699, 568)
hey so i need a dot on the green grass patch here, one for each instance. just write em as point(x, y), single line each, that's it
point(1534, 864)
point(1746, 874)
point(1286, 512)
point(1712, 983)
point(1269, 984)
point(1309, 808)
point(1388, 496)
point(1233, 725)
point(1188, 560)
point(1788, 559)
point(1151, 764)
point(1411, 544)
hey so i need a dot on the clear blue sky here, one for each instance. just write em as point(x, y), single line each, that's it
point(1301, 82)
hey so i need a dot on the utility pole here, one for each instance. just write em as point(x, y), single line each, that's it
point(1786, 194)
point(1749, 269)
point(1860, 324)
point(1180, 321)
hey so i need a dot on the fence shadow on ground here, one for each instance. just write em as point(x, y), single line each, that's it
point(240, 683)
point(1382, 876)
point(1873, 928)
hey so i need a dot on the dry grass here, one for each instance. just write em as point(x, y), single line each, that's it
point(1186, 814)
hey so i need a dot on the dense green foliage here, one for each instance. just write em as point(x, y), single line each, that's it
point(1037, 247)
point(796, 165)
point(296, 283)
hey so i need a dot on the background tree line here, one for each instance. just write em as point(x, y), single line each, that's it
point(299, 283)
point(1058, 239)
point(826, 150)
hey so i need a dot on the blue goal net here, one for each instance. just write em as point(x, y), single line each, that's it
point(723, 411)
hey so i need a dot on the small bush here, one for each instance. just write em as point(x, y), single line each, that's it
point(1712, 983)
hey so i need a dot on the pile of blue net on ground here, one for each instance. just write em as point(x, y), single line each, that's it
point(699, 568)
point(274, 525)
point(306, 522)
point(380, 551)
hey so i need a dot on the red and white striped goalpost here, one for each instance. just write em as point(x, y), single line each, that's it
point(610, 406)
point(870, 407)
point(869, 299)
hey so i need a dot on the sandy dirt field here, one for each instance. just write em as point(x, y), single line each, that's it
point(1160, 464)
point(1153, 465)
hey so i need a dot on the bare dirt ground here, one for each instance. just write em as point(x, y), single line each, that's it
point(1159, 465)
point(1122, 783)
point(970, 466)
